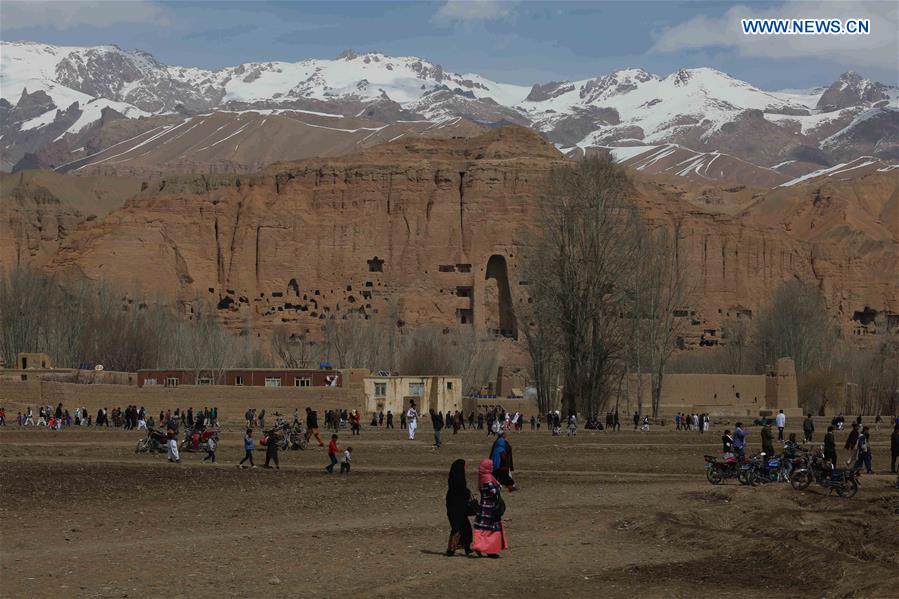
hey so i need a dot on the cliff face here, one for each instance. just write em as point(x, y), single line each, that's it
point(429, 232)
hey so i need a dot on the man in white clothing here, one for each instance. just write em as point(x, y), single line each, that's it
point(174, 455)
point(780, 420)
point(29, 417)
point(412, 420)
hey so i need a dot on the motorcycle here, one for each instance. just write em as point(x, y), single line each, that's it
point(155, 441)
point(717, 469)
point(843, 481)
point(198, 440)
point(288, 436)
point(767, 470)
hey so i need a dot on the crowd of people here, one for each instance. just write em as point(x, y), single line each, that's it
point(131, 418)
point(857, 445)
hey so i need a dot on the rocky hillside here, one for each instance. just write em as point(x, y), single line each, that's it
point(66, 107)
point(429, 231)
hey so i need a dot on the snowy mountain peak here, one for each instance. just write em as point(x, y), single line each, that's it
point(69, 89)
point(851, 89)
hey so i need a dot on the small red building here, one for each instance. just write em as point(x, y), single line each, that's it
point(241, 377)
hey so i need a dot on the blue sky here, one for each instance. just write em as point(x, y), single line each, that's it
point(514, 42)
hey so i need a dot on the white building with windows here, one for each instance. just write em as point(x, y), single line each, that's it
point(395, 394)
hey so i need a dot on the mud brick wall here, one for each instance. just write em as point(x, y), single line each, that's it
point(231, 402)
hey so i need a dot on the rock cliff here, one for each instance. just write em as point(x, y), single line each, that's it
point(431, 231)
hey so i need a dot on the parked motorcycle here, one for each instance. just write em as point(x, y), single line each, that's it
point(764, 469)
point(198, 440)
point(843, 481)
point(288, 436)
point(155, 441)
point(719, 468)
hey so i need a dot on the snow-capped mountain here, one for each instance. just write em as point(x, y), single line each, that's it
point(61, 104)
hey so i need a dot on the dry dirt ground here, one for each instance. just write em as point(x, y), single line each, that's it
point(603, 514)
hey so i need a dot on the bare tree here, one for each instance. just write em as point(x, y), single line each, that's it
point(294, 350)
point(796, 324)
point(584, 246)
point(736, 353)
point(458, 351)
point(542, 342)
point(660, 308)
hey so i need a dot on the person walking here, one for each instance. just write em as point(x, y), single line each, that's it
point(248, 449)
point(312, 426)
point(333, 450)
point(808, 428)
point(459, 506)
point(781, 422)
point(174, 455)
point(437, 423)
point(894, 448)
point(863, 452)
point(636, 420)
point(403, 420)
point(210, 450)
point(852, 442)
point(271, 452)
point(389, 419)
point(345, 460)
point(489, 536)
point(767, 440)
point(830, 445)
point(501, 456)
point(740, 441)
point(412, 419)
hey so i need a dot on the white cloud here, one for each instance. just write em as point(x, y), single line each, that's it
point(879, 49)
point(470, 11)
point(62, 15)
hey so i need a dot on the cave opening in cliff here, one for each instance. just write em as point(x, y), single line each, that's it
point(498, 273)
point(866, 316)
point(375, 265)
point(293, 288)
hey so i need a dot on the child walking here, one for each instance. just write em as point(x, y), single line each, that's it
point(333, 450)
point(248, 448)
point(210, 450)
point(345, 463)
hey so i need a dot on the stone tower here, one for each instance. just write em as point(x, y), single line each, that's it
point(781, 390)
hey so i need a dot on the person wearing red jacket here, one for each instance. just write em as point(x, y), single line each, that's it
point(333, 451)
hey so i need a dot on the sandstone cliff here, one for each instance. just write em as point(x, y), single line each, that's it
point(430, 232)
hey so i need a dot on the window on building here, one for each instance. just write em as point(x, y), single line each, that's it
point(272, 381)
point(449, 385)
point(303, 381)
point(238, 380)
point(150, 381)
point(417, 389)
point(204, 380)
point(380, 389)
point(171, 381)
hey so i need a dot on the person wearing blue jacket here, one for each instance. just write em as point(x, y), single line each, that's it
point(248, 449)
point(740, 440)
point(501, 456)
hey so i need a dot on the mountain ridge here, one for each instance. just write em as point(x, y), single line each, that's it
point(82, 89)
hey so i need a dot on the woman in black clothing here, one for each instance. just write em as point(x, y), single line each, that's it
point(458, 509)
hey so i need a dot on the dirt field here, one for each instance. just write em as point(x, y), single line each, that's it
point(603, 514)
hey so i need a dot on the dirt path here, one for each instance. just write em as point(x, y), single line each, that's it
point(620, 515)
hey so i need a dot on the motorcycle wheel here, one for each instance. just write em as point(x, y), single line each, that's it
point(714, 475)
point(141, 446)
point(848, 489)
point(744, 477)
point(755, 479)
point(801, 479)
